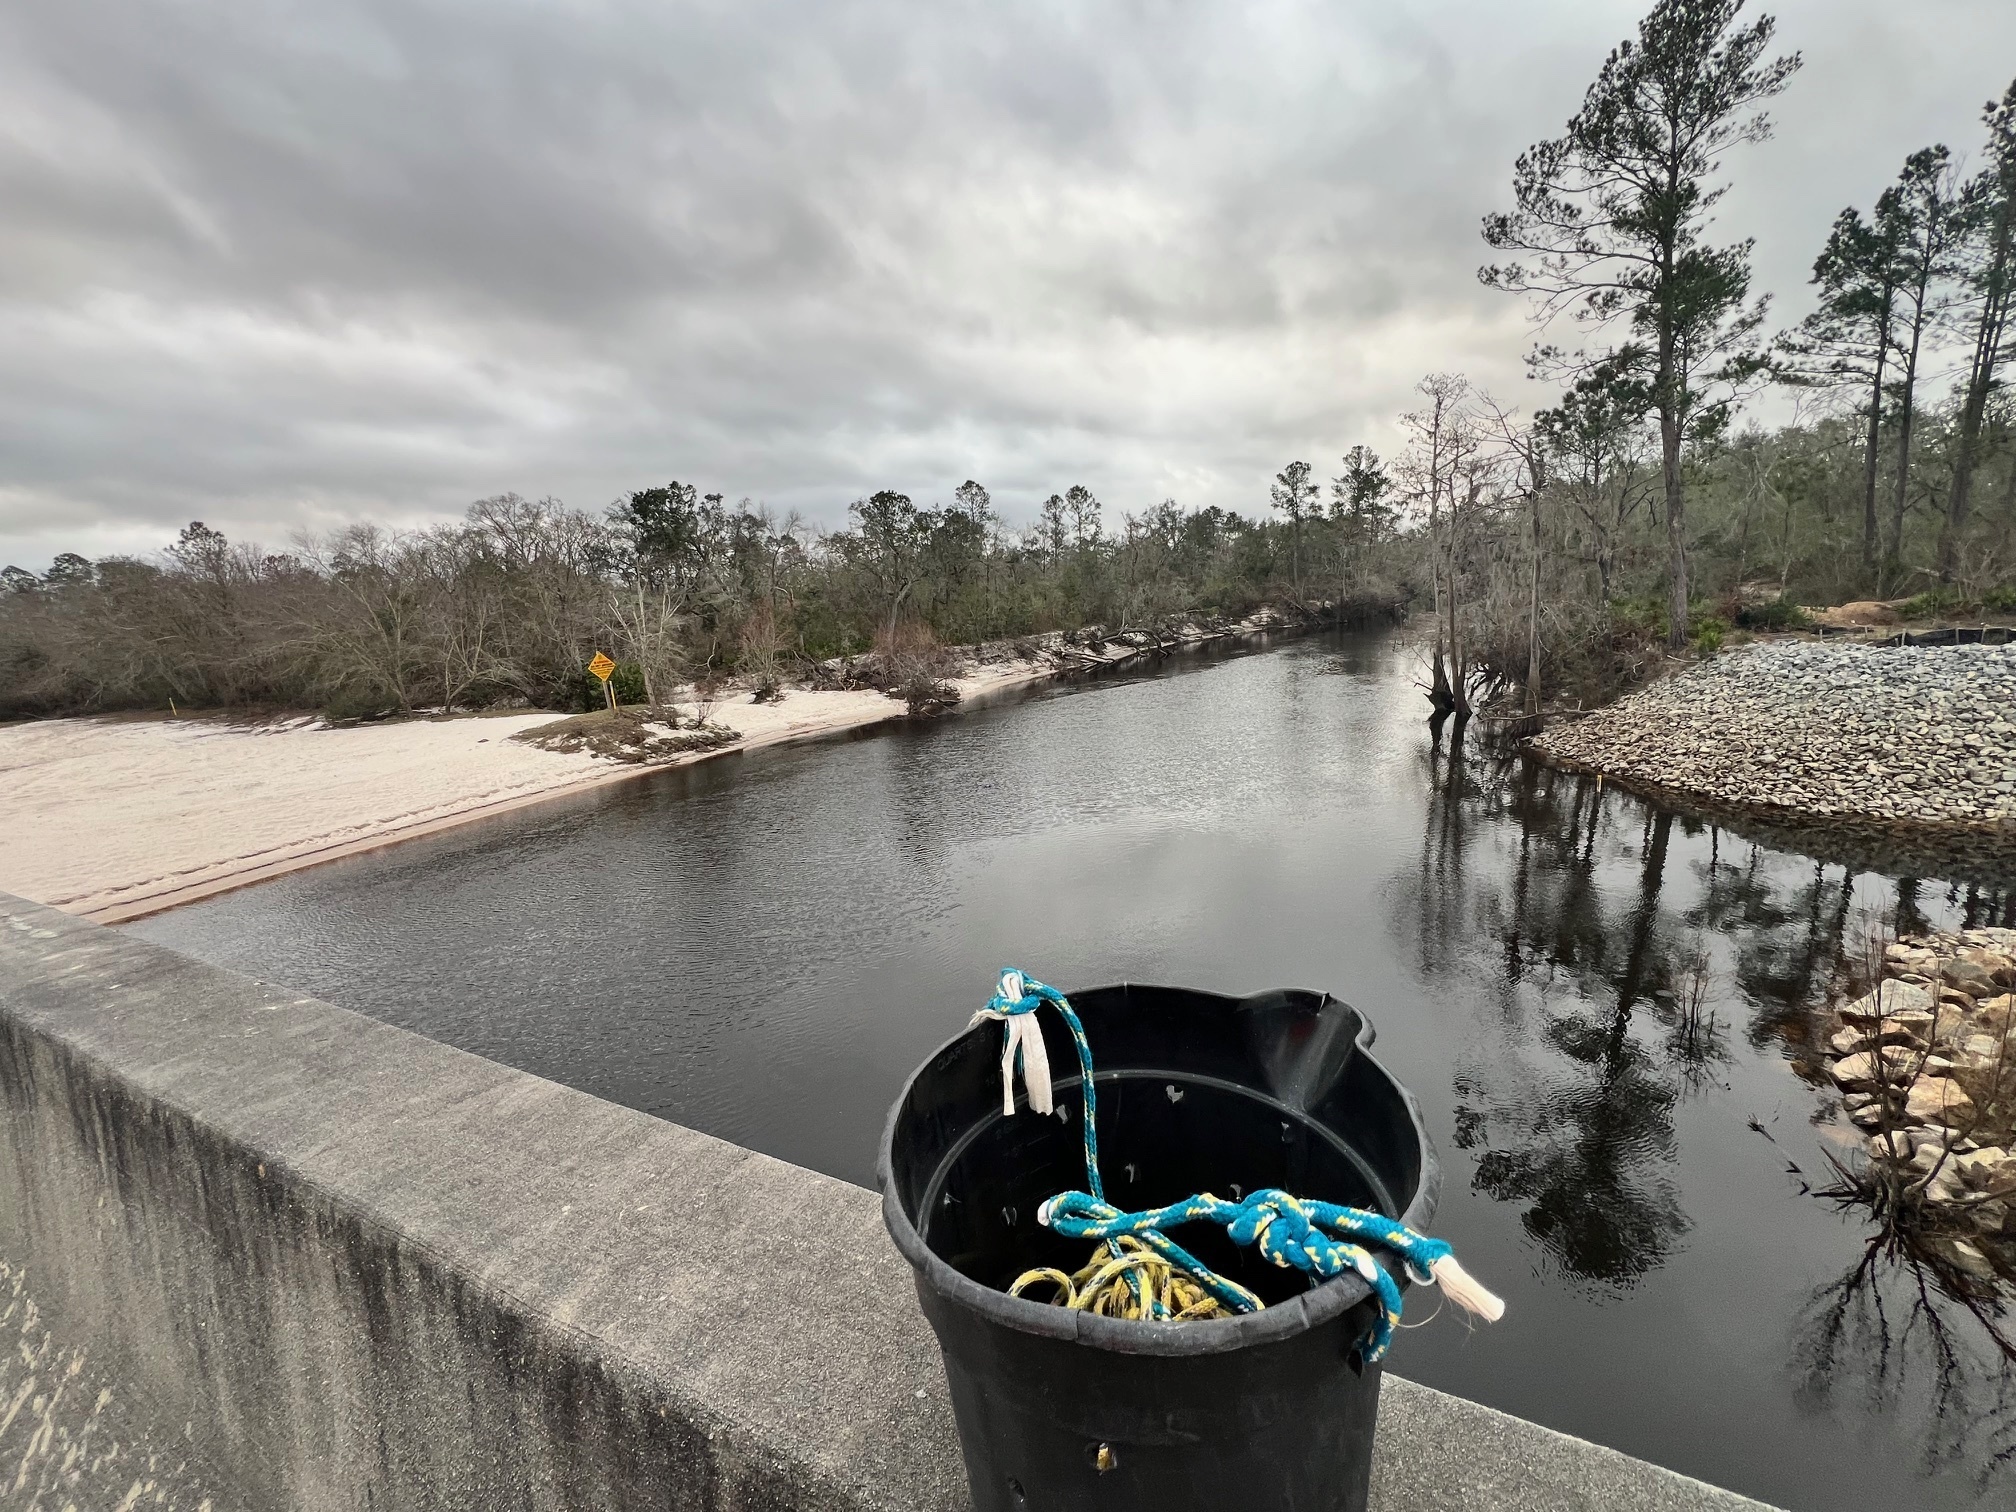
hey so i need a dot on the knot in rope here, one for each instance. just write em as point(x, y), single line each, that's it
point(1014, 1004)
point(1281, 1227)
point(1019, 993)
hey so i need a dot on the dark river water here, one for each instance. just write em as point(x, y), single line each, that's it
point(763, 946)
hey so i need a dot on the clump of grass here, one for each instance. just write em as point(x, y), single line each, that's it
point(633, 733)
point(359, 705)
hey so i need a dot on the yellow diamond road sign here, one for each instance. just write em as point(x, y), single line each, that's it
point(601, 666)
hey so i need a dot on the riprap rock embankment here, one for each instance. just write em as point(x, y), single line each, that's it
point(1921, 735)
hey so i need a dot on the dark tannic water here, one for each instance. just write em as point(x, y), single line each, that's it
point(762, 947)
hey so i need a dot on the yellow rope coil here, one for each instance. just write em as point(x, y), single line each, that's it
point(1101, 1287)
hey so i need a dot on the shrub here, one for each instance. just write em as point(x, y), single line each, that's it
point(2000, 600)
point(634, 735)
point(627, 682)
point(1776, 614)
point(1643, 614)
point(900, 660)
point(352, 705)
point(1936, 603)
point(925, 694)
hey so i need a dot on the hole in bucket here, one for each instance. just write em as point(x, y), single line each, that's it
point(1015, 1490)
point(1008, 1216)
point(1174, 1092)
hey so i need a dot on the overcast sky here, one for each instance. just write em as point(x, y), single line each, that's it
point(277, 265)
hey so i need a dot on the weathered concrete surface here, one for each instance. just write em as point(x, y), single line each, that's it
point(1436, 1450)
point(70, 1438)
point(378, 1272)
point(367, 1270)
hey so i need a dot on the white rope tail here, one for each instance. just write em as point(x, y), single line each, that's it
point(1024, 1037)
point(1464, 1289)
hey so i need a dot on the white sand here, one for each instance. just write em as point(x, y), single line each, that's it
point(113, 818)
point(799, 713)
point(103, 812)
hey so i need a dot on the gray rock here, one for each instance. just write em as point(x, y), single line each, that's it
point(1929, 1157)
point(1938, 1099)
point(1990, 1168)
point(1891, 1148)
point(1856, 730)
point(1969, 977)
point(1944, 1187)
point(1965, 1255)
point(1897, 1003)
point(1871, 1069)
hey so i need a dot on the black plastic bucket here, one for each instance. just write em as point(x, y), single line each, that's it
point(1196, 1092)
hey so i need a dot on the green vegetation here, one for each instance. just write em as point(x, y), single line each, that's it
point(1780, 613)
point(1951, 603)
point(1935, 603)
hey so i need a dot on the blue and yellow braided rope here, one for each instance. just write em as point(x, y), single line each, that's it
point(1296, 1232)
point(1163, 1281)
point(1148, 1302)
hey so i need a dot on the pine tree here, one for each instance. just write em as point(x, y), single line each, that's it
point(1294, 495)
point(1613, 217)
point(1990, 207)
point(1925, 209)
point(1847, 340)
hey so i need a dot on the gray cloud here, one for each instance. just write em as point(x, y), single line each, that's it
point(275, 264)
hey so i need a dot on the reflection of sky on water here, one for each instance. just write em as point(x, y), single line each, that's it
point(1592, 997)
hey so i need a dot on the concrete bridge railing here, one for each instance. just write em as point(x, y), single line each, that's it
point(375, 1272)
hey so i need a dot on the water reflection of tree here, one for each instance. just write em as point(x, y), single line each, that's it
point(1598, 946)
point(1610, 983)
point(1583, 1138)
point(1889, 1326)
point(1790, 949)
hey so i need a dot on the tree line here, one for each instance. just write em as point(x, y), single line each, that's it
point(1545, 538)
point(508, 604)
point(1558, 551)
point(1611, 230)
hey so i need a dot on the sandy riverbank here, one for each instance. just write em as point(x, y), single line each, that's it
point(115, 818)
point(118, 817)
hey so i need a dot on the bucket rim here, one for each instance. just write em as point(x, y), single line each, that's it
point(1280, 1320)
